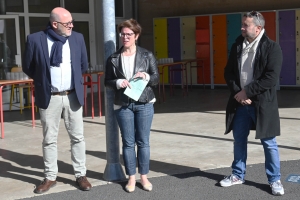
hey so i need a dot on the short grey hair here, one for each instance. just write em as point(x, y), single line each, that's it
point(53, 17)
point(258, 18)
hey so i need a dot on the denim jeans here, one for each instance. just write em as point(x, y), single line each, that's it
point(135, 122)
point(244, 118)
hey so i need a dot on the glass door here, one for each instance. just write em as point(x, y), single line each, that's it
point(10, 48)
point(10, 54)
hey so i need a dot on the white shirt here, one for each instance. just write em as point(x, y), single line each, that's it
point(61, 77)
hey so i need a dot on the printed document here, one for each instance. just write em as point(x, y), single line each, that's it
point(137, 87)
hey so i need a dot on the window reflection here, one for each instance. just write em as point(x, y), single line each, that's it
point(38, 23)
point(8, 46)
point(42, 6)
point(119, 8)
point(14, 6)
point(83, 28)
point(77, 6)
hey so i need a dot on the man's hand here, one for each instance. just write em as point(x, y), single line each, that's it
point(242, 98)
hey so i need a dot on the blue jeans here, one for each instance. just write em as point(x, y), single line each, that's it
point(135, 122)
point(244, 118)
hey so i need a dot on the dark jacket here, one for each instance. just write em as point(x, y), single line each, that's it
point(262, 91)
point(36, 64)
point(144, 62)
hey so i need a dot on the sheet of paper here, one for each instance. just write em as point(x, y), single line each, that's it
point(137, 88)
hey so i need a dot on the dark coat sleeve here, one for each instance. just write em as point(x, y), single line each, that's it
point(267, 77)
point(231, 73)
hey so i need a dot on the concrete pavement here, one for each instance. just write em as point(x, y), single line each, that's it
point(187, 135)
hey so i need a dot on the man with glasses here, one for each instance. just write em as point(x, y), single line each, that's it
point(55, 59)
point(251, 73)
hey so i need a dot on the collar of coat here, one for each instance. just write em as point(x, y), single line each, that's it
point(140, 58)
point(239, 41)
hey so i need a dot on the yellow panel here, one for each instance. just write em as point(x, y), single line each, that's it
point(188, 41)
point(160, 38)
point(161, 42)
point(297, 47)
point(297, 25)
point(298, 62)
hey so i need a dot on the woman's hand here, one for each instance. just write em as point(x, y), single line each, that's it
point(125, 84)
point(140, 75)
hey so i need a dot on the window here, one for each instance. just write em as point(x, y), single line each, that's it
point(14, 6)
point(119, 8)
point(38, 23)
point(77, 6)
point(42, 6)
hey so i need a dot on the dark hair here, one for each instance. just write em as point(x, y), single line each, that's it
point(258, 18)
point(131, 24)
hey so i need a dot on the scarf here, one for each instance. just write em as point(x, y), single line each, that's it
point(248, 54)
point(56, 50)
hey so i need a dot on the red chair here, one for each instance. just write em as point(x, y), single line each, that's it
point(88, 81)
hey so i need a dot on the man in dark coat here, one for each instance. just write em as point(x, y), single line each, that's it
point(251, 74)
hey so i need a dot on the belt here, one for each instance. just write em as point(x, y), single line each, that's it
point(62, 93)
point(131, 100)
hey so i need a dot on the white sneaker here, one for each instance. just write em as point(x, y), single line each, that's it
point(277, 188)
point(231, 180)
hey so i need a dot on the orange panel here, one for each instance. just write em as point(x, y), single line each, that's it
point(202, 22)
point(271, 32)
point(219, 65)
point(270, 18)
point(202, 36)
point(219, 38)
point(220, 53)
point(270, 25)
point(219, 22)
point(219, 78)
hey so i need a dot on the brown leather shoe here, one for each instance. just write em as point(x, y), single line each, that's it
point(83, 183)
point(44, 186)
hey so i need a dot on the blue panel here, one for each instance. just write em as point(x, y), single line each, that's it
point(233, 29)
point(174, 45)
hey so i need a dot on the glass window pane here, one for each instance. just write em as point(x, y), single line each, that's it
point(42, 6)
point(119, 8)
point(8, 46)
point(22, 34)
point(38, 23)
point(77, 6)
point(83, 28)
point(14, 6)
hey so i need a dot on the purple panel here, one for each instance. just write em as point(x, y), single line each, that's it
point(287, 26)
point(287, 39)
point(174, 46)
point(288, 70)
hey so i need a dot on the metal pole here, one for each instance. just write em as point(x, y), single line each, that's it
point(113, 169)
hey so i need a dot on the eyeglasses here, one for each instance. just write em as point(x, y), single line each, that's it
point(126, 34)
point(67, 24)
point(256, 14)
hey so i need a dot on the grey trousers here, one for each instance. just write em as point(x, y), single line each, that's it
point(68, 107)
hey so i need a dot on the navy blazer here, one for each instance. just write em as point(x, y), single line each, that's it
point(36, 64)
